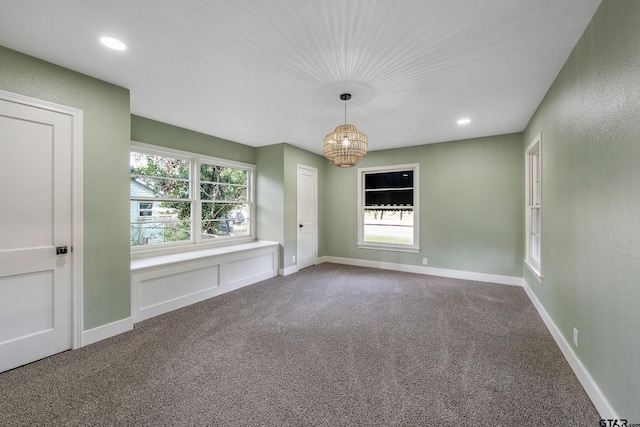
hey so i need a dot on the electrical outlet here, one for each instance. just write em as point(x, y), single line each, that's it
point(293, 259)
point(575, 337)
point(424, 261)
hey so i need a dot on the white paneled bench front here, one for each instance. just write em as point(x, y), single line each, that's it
point(160, 284)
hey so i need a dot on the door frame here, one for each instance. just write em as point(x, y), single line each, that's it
point(315, 211)
point(76, 253)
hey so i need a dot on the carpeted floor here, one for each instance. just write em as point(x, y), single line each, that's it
point(331, 345)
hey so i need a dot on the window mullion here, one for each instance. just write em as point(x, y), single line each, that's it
point(196, 216)
point(159, 199)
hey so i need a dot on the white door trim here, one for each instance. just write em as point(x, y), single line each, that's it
point(76, 201)
point(315, 212)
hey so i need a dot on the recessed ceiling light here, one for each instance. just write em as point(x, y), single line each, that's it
point(112, 43)
point(464, 121)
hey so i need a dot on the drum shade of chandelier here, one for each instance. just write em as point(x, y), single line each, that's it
point(345, 145)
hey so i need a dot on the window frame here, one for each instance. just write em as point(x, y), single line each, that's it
point(196, 242)
point(533, 202)
point(362, 172)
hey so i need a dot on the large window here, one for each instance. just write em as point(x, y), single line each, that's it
point(533, 196)
point(388, 203)
point(180, 198)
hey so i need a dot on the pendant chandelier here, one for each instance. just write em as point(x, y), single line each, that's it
point(345, 145)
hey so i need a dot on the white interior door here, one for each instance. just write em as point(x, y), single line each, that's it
point(307, 182)
point(35, 219)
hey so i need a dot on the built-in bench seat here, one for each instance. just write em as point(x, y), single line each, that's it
point(163, 283)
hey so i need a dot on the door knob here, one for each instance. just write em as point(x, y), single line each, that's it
point(61, 250)
point(300, 225)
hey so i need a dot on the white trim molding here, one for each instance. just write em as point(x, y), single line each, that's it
point(590, 387)
point(433, 271)
point(287, 271)
point(107, 331)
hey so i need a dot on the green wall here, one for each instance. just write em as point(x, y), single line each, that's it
point(106, 184)
point(590, 126)
point(162, 134)
point(270, 194)
point(471, 205)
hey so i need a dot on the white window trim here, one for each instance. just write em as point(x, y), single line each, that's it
point(195, 244)
point(535, 147)
point(415, 248)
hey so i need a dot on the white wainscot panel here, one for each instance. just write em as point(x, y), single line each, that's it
point(162, 288)
point(241, 272)
point(167, 288)
point(166, 283)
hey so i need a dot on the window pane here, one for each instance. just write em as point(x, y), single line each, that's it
point(534, 237)
point(388, 226)
point(151, 233)
point(159, 166)
point(221, 174)
point(535, 248)
point(535, 220)
point(224, 219)
point(167, 222)
point(399, 179)
point(227, 192)
point(389, 188)
point(159, 187)
point(389, 198)
point(222, 183)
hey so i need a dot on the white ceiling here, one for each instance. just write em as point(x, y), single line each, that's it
point(263, 72)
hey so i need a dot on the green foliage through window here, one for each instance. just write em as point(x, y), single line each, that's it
point(163, 189)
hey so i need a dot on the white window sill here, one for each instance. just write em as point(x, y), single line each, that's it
point(161, 260)
point(141, 252)
point(384, 247)
point(535, 270)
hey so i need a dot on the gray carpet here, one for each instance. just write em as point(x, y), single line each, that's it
point(329, 346)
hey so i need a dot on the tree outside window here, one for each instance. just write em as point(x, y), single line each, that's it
point(184, 199)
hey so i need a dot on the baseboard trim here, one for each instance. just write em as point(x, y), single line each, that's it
point(107, 331)
point(287, 271)
point(590, 387)
point(432, 271)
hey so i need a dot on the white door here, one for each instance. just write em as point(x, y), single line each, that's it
point(35, 219)
point(307, 182)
